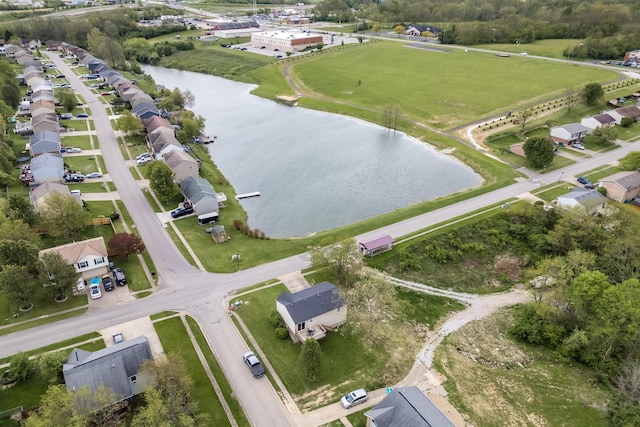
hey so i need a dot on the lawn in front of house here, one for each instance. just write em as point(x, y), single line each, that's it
point(42, 305)
point(78, 141)
point(82, 164)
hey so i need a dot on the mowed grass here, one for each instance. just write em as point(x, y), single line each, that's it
point(551, 48)
point(174, 339)
point(440, 89)
point(346, 363)
point(510, 384)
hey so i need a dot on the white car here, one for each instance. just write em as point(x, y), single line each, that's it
point(143, 161)
point(80, 284)
point(93, 175)
point(578, 146)
point(356, 397)
point(95, 290)
point(74, 150)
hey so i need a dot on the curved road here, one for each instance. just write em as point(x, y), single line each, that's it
point(182, 287)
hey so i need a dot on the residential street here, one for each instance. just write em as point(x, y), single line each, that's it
point(182, 287)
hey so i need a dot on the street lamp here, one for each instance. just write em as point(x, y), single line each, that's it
point(236, 258)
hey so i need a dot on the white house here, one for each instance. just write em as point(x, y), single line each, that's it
point(630, 111)
point(89, 257)
point(583, 200)
point(310, 312)
point(568, 134)
point(595, 122)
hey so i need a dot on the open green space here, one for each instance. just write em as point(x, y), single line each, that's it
point(462, 87)
point(96, 344)
point(174, 339)
point(88, 187)
point(136, 278)
point(82, 164)
point(43, 305)
point(78, 125)
point(551, 48)
point(516, 381)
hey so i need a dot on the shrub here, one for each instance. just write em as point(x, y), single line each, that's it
point(282, 333)
point(22, 367)
point(276, 320)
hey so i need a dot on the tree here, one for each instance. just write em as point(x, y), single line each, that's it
point(129, 123)
point(172, 380)
point(56, 409)
point(592, 93)
point(125, 244)
point(17, 285)
point(628, 381)
point(343, 259)
point(538, 151)
point(192, 125)
point(161, 181)
point(154, 413)
point(21, 209)
point(311, 359)
point(630, 162)
point(375, 28)
point(15, 229)
point(50, 366)
point(19, 252)
point(605, 134)
point(572, 98)
point(57, 275)
point(63, 215)
point(399, 29)
point(67, 98)
point(21, 367)
point(523, 117)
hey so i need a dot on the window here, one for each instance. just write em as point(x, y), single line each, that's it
point(98, 261)
point(301, 326)
point(133, 379)
point(83, 264)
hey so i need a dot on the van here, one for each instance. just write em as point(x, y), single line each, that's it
point(208, 218)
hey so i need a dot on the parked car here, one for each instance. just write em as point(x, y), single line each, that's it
point(75, 193)
point(119, 277)
point(142, 156)
point(80, 284)
point(60, 76)
point(93, 77)
point(118, 338)
point(73, 177)
point(73, 150)
point(143, 161)
point(582, 180)
point(66, 116)
point(181, 211)
point(356, 397)
point(589, 186)
point(254, 364)
point(578, 146)
point(93, 175)
point(95, 288)
point(82, 115)
point(108, 284)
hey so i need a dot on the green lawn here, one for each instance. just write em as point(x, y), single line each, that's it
point(78, 125)
point(357, 419)
point(81, 141)
point(42, 305)
point(551, 48)
point(174, 340)
point(83, 164)
point(340, 372)
point(558, 189)
point(462, 86)
point(136, 278)
point(88, 187)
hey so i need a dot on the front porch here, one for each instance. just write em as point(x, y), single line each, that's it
point(317, 332)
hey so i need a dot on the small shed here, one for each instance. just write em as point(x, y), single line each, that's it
point(376, 246)
point(219, 233)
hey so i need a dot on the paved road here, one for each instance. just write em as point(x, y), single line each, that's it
point(183, 287)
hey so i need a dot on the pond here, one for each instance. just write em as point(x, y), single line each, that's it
point(314, 170)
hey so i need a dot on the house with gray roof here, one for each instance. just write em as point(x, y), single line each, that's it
point(47, 167)
point(38, 195)
point(200, 194)
point(630, 112)
point(568, 134)
point(45, 141)
point(116, 367)
point(309, 313)
point(406, 407)
point(144, 110)
point(622, 186)
point(182, 164)
point(582, 200)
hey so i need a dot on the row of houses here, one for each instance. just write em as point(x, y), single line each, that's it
point(573, 133)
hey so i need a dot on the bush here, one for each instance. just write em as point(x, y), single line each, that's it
point(282, 333)
point(626, 122)
point(276, 320)
point(22, 367)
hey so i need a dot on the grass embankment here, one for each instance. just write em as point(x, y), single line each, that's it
point(497, 381)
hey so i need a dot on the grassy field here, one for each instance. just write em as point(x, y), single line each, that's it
point(466, 85)
point(83, 164)
point(551, 48)
point(499, 382)
point(80, 141)
point(174, 339)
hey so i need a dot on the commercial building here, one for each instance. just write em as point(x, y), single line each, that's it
point(285, 41)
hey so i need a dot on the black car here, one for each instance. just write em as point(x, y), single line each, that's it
point(108, 284)
point(583, 180)
point(119, 277)
point(254, 364)
point(73, 178)
point(180, 212)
